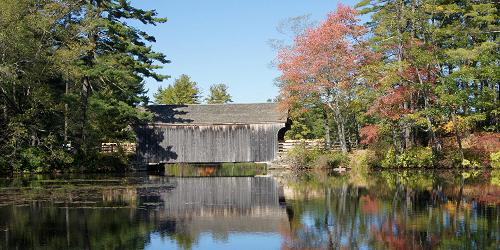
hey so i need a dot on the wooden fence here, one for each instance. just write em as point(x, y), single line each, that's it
point(286, 145)
point(113, 147)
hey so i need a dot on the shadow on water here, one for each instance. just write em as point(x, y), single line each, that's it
point(314, 210)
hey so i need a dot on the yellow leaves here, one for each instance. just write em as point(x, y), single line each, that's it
point(448, 127)
point(463, 123)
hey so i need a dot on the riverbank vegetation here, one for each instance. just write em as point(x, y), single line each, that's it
point(417, 84)
point(71, 77)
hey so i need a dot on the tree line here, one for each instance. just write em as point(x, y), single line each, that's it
point(186, 91)
point(71, 76)
point(419, 75)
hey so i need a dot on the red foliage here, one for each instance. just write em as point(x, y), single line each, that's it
point(369, 134)
point(385, 234)
point(484, 142)
point(325, 58)
point(390, 105)
point(370, 205)
point(403, 84)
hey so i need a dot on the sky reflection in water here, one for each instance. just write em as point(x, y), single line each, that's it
point(376, 210)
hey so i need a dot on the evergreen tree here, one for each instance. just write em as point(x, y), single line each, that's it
point(72, 74)
point(218, 94)
point(440, 67)
point(106, 59)
point(183, 91)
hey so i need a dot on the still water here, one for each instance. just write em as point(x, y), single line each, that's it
point(204, 209)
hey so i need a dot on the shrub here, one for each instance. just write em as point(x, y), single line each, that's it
point(389, 160)
point(109, 162)
point(363, 159)
point(417, 157)
point(331, 159)
point(336, 159)
point(471, 163)
point(301, 157)
point(495, 177)
point(495, 159)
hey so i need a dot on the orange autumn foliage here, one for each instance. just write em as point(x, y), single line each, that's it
point(324, 60)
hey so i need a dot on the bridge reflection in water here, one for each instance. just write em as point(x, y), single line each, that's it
point(219, 206)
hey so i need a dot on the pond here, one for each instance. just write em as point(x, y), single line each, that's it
point(255, 210)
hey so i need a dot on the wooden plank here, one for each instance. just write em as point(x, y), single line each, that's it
point(210, 143)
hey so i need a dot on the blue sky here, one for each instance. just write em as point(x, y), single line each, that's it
point(226, 41)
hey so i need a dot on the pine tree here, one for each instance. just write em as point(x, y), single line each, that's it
point(72, 73)
point(183, 91)
point(218, 94)
point(106, 60)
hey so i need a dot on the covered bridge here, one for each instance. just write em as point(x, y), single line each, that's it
point(212, 133)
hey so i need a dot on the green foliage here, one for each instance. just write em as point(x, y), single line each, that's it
point(112, 162)
point(495, 177)
point(472, 164)
point(495, 159)
point(306, 125)
point(218, 94)
point(71, 77)
point(300, 156)
point(422, 60)
point(417, 157)
point(183, 91)
point(363, 160)
point(389, 160)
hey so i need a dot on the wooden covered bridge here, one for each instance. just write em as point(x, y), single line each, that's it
point(212, 133)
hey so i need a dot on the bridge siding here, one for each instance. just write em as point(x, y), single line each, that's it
point(166, 143)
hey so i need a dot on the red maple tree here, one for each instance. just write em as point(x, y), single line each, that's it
point(324, 62)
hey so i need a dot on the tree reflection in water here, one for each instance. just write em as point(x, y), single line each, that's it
point(316, 210)
point(393, 210)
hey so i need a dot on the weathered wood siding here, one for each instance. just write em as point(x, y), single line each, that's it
point(161, 143)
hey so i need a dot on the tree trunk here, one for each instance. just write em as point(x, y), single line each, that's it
point(435, 141)
point(4, 110)
point(66, 116)
point(406, 131)
point(326, 123)
point(457, 136)
point(84, 98)
point(340, 129)
point(395, 142)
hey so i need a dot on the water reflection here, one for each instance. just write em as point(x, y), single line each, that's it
point(381, 210)
point(402, 210)
point(215, 169)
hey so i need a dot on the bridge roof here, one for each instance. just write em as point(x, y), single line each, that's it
point(218, 113)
